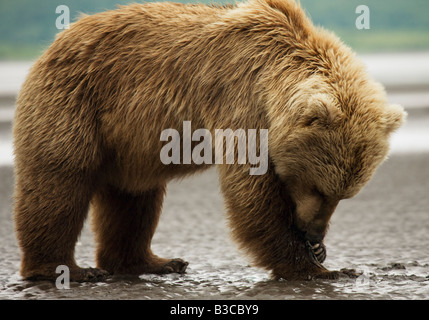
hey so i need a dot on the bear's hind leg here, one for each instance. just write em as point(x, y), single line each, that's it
point(124, 225)
point(49, 217)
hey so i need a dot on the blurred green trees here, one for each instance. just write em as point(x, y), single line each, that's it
point(27, 26)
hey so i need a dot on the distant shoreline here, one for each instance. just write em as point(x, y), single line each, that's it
point(397, 71)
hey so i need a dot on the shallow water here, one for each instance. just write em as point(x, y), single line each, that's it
point(383, 232)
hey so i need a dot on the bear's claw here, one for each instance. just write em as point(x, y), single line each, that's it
point(317, 252)
point(350, 273)
point(175, 266)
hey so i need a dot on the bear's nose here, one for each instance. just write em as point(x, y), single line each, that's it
point(314, 238)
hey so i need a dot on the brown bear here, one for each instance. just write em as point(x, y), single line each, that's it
point(90, 114)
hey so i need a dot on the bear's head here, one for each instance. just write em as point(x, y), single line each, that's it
point(327, 144)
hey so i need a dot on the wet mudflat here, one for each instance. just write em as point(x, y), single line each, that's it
point(383, 232)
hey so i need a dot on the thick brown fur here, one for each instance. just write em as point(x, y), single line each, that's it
point(89, 118)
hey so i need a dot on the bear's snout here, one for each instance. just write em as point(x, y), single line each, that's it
point(314, 226)
point(314, 238)
point(312, 232)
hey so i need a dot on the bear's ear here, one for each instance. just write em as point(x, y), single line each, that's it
point(292, 10)
point(394, 116)
point(321, 109)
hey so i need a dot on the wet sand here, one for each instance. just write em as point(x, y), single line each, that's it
point(382, 232)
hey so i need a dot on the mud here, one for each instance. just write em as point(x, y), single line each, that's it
point(383, 233)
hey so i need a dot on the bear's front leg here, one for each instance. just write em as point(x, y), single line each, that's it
point(261, 217)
